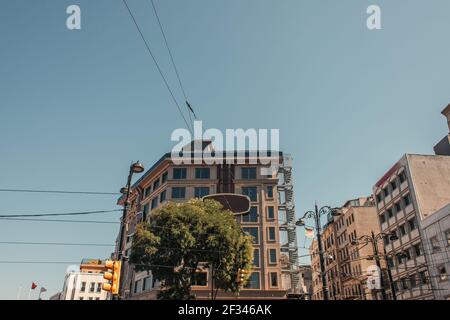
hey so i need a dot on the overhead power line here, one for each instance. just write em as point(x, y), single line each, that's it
point(60, 192)
point(57, 214)
point(173, 63)
point(61, 220)
point(157, 65)
point(56, 244)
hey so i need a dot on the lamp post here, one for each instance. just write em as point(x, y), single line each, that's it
point(373, 239)
point(316, 214)
point(136, 167)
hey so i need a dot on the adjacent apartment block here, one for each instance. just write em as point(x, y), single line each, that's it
point(413, 190)
point(167, 181)
point(346, 264)
point(436, 240)
point(85, 284)
point(443, 147)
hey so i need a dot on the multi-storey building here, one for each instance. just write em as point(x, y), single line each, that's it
point(359, 218)
point(345, 263)
point(331, 265)
point(167, 181)
point(85, 284)
point(436, 244)
point(413, 189)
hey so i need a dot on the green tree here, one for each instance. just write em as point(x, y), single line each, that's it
point(181, 237)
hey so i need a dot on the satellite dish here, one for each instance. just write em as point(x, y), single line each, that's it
point(236, 203)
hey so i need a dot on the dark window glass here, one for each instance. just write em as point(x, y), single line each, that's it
point(253, 281)
point(272, 256)
point(162, 196)
point(382, 218)
point(271, 235)
point(274, 279)
point(407, 200)
point(252, 216)
point(248, 173)
point(256, 258)
point(412, 224)
point(270, 191)
point(418, 250)
point(147, 191)
point(251, 192)
point(179, 173)
point(270, 213)
point(154, 203)
point(200, 279)
point(178, 192)
point(164, 177)
point(155, 184)
point(393, 185)
point(252, 231)
point(200, 192)
point(202, 173)
point(402, 177)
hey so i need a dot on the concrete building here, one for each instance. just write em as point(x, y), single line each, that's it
point(359, 218)
point(436, 243)
point(346, 264)
point(167, 181)
point(85, 284)
point(415, 188)
point(443, 147)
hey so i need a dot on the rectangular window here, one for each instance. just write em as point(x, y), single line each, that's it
point(252, 216)
point(274, 279)
point(271, 235)
point(378, 197)
point(393, 185)
point(162, 196)
point(248, 173)
point(402, 230)
point(83, 287)
point(402, 177)
point(273, 256)
point(164, 177)
point(253, 281)
point(251, 192)
point(417, 250)
point(99, 287)
point(435, 244)
point(407, 200)
point(136, 286)
point(145, 210)
point(154, 203)
point(147, 283)
point(270, 192)
point(147, 191)
point(382, 218)
point(92, 287)
point(256, 258)
point(386, 192)
point(202, 173)
point(423, 276)
point(178, 192)
point(156, 184)
point(179, 173)
point(447, 236)
point(412, 224)
point(270, 213)
point(200, 279)
point(254, 232)
point(412, 281)
point(398, 207)
point(200, 192)
point(389, 213)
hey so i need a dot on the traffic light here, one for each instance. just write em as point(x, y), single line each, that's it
point(241, 276)
point(112, 274)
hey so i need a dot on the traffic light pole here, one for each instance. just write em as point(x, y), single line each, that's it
point(377, 260)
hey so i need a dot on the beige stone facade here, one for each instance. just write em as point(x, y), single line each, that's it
point(166, 181)
point(411, 191)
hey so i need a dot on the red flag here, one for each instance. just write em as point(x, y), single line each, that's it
point(33, 286)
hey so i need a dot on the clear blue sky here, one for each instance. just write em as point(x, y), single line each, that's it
point(78, 106)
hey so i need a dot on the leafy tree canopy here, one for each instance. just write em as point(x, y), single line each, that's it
point(181, 237)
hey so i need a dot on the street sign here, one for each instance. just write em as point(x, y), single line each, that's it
point(236, 203)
